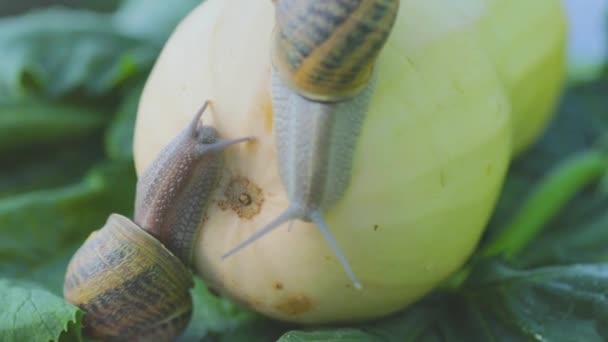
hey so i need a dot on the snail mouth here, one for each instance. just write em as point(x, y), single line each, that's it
point(207, 135)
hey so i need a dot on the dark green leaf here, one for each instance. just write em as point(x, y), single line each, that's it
point(55, 52)
point(130, 21)
point(499, 303)
point(212, 314)
point(37, 123)
point(574, 235)
point(39, 167)
point(11, 7)
point(256, 330)
point(439, 317)
point(560, 303)
point(579, 235)
point(568, 133)
point(38, 227)
point(409, 325)
point(119, 136)
point(335, 335)
point(32, 314)
point(548, 198)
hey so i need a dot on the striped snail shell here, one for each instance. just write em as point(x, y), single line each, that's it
point(325, 50)
point(129, 285)
point(323, 79)
point(131, 278)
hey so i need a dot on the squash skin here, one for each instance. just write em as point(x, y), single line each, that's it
point(457, 99)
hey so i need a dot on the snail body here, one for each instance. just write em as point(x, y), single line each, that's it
point(322, 81)
point(118, 272)
point(174, 192)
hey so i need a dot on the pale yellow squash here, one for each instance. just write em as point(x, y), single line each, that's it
point(462, 86)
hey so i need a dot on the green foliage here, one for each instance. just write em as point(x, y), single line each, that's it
point(498, 303)
point(119, 135)
point(33, 314)
point(36, 123)
point(70, 81)
point(212, 314)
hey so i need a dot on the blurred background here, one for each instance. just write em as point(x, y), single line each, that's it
point(71, 73)
point(587, 39)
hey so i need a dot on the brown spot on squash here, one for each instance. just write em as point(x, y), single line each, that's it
point(243, 196)
point(267, 109)
point(294, 305)
point(264, 106)
point(278, 285)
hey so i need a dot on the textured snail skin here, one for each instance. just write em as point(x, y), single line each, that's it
point(323, 50)
point(129, 285)
point(315, 145)
point(174, 192)
point(128, 277)
point(431, 158)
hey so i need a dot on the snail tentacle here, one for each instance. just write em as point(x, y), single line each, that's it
point(322, 80)
point(289, 214)
point(316, 216)
point(194, 124)
point(174, 192)
point(316, 150)
point(220, 145)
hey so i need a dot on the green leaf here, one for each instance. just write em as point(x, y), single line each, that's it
point(38, 227)
point(47, 167)
point(256, 330)
point(427, 320)
point(212, 314)
point(577, 235)
point(498, 303)
point(130, 21)
point(32, 314)
point(55, 52)
point(572, 236)
point(336, 335)
point(10, 7)
point(549, 197)
point(36, 123)
point(119, 136)
point(559, 303)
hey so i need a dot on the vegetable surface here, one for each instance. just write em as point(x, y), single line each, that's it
point(441, 129)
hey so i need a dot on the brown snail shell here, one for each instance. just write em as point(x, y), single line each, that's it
point(130, 286)
point(325, 50)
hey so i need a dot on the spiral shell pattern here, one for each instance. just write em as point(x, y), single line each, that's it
point(129, 285)
point(325, 50)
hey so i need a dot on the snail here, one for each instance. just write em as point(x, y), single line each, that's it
point(132, 278)
point(323, 55)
